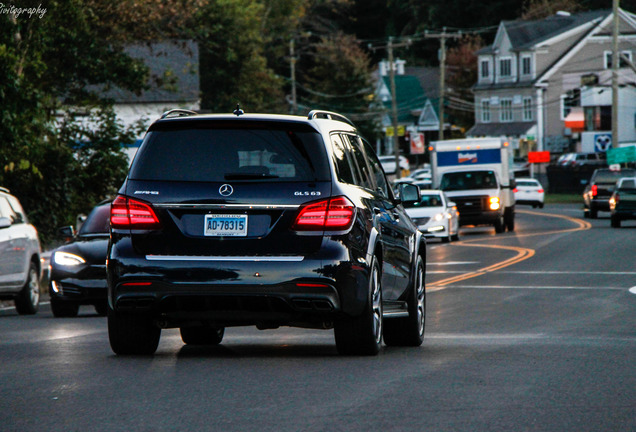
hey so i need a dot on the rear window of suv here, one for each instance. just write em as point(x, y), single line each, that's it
point(611, 177)
point(213, 154)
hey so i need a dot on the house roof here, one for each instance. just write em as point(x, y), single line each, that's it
point(174, 73)
point(500, 129)
point(410, 97)
point(527, 34)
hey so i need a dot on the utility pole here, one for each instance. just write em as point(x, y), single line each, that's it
point(615, 65)
point(292, 67)
point(442, 71)
point(394, 115)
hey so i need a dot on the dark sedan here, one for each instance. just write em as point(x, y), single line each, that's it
point(78, 268)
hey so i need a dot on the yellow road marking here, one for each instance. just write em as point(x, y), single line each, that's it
point(522, 253)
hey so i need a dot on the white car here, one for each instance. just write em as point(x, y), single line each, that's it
point(388, 163)
point(20, 265)
point(529, 191)
point(435, 215)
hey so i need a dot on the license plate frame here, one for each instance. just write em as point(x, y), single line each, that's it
point(225, 225)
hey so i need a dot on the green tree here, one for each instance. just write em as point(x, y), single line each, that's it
point(339, 79)
point(232, 61)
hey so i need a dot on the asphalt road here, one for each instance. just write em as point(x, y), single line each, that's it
point(527, 331)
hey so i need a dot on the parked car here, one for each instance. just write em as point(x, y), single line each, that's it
point(529, 191)
point(20, 265)
point(264, 220)
point(580, 159)
point(388, 164)
point(623, 201)
point(78, 268)
point(597, 193)
point(435, 215)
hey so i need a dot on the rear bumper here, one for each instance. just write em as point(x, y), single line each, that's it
point(228, 291)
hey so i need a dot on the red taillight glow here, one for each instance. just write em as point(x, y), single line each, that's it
point(540, 190)
point(130, 213)
point(515, 190)
point(331, 214)
point(594, 190)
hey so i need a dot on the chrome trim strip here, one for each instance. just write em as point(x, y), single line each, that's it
point(224, 258)
point(228, 206)
point(395, 314)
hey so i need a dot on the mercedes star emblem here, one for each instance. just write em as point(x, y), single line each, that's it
point(226, 190)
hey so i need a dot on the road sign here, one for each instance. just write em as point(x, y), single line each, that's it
point(539, 157)
point(621, 155)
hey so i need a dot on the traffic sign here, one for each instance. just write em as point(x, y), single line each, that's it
point(539, 157)
point(621, 155)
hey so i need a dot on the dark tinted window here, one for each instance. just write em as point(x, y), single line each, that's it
point(376, 170)
point(219, 155)
point(341, 159)
point(468, 180)
point(97, 221)
point(361, 165)
point(611, 177)
point(426, 201)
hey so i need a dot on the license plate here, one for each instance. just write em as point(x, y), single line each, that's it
point(218, 225)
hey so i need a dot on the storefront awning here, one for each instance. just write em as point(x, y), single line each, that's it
point(575, 121)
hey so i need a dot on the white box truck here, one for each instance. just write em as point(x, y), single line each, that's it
point(476, 173)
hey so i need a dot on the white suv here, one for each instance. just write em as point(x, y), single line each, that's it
point(20, 251)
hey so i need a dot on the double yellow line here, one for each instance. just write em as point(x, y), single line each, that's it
point(522, 254)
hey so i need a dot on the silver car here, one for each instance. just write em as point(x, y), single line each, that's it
point(20, 266)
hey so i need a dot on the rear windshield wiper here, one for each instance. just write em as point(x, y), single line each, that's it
point(249, 176)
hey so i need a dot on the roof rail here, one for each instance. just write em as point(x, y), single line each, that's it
point(330, 116)
point(177, 113)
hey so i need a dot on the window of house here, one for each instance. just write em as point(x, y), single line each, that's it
point(485, 111)
point(621, 64)
point(526, 65)
point(485, 69)
point(527, 109)
point(505, 110)
point(598, 118)
point(570, 100)
point(505, 67)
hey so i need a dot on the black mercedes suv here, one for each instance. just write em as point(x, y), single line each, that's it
point(264, 220)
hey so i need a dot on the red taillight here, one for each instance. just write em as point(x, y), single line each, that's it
point(540, 190)
point(594, 190)
point(130, 213)
point(515, 190)
point(335, 214)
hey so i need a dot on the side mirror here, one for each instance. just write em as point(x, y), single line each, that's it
point(513, 183)
point(5, 222)
point(66, 233)
point(409, 193)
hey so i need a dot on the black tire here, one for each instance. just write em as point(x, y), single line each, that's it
point(593, 213)
point(27, 301)
point(455, 237)
point(409, 331)
point(132, 334)
point(499, 225)
point(616, 222)
point(101, 308)
point(202, 335)
point(362, 335)
point(62, 309)
point(509, 219)
point(446, 239)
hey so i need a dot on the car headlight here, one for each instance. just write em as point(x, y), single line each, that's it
point(67, 259)
point(494, 203)
point(438, 217)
